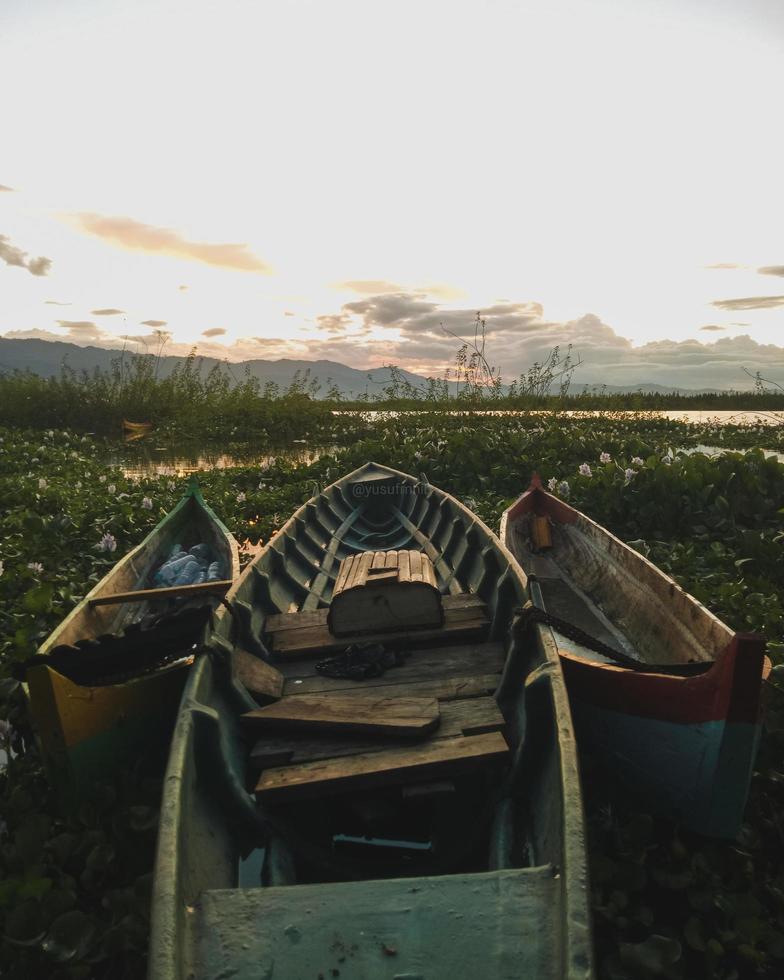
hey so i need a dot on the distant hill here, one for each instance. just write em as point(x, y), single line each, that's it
point(47, 357)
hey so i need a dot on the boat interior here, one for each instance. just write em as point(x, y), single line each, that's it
point(392, 827)
point(583, 575)
point(95, 630)
point(367, 824)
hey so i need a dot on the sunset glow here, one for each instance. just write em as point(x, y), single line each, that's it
point(337, 180)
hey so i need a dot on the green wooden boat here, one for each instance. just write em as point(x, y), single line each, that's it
point(88, 717)
point(295, 855)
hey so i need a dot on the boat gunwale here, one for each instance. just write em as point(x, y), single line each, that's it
point(575, 925)
point(103, 586)
point(511, 518)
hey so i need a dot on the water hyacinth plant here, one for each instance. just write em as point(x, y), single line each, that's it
point(74, 888)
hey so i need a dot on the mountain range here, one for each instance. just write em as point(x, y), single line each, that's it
point(47, 358)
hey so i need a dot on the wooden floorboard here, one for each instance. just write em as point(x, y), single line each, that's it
point(362, 713)
point(449, 689)
point(471, 716)
point(436, 758)
point(425, 663)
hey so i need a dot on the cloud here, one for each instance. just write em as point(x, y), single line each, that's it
point(406, 329)
point(12, 255)
point(146, 338)
point(269, 344)
point(81, 329)
point(213, 332)
point(137, 236)
point(288, 313)
point(724, 265)
point(183, 289)
point(771, 270)
point(712, 327)
point(370, 287)
point(3, 188)
point(107, 312)
point(750, 303)
point(154, 323)
point(78, 326)
point(335, 322)
point(54, 302)
point(412, 313)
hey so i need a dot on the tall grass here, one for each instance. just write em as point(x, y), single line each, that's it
point(192, 402)
point(187, 400)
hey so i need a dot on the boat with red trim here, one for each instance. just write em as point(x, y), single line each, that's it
point(660, 688)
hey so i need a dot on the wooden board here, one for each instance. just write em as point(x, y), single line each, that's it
point(169, 592)
point(383, 591)
point(436, 758)
point(263, 681)
point(365, 714)
point(445, 689)
point(421, 664)
point(464, 605)
point(460, 624)
point(471, 716)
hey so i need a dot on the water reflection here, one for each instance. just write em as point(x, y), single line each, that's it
point(142, 457)
point(180, 461)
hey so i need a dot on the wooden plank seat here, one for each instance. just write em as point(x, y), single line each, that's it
point(349, 714)
point(307, 634)
point(435, 758)
point(465, 717)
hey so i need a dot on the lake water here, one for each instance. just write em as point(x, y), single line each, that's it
point(143, 457)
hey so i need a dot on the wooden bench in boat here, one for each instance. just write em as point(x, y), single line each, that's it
point(468, 716)
point(470, 735)
point(348, 714)
point(307, 634)
point(436, 757)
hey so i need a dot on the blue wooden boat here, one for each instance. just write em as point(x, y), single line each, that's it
point(460, 854)
point(670, 697)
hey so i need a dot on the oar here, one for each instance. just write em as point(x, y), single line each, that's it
point(172, 592)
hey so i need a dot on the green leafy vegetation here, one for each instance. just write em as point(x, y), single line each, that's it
point(74, 887)
point(192, 401)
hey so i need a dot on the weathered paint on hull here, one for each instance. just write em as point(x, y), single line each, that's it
point(87, 731)
point(505, 922)
point(697, 773)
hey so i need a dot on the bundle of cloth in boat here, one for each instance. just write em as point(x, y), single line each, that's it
point(191, 567)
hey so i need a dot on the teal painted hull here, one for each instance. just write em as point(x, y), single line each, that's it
point(668, 696)
point(515, 904)
point(697, 774)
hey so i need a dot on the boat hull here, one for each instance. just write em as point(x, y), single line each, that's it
point(86, 731)
point(225, 899)
point(684, 741)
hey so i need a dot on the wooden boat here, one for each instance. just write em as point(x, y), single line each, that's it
point(136, 427)
point(88, 717)
point(670, 697)
point(458, 852)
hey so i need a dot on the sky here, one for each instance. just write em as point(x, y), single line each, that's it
point(355, 181)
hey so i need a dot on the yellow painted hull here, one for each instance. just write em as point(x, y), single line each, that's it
point(86, 731)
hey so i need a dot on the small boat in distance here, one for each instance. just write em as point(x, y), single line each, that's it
point(112, 672)
point(400, 794)
point(136, 426)
point(135, 430)
point(667, 695)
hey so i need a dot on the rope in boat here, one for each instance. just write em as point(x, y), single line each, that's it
point(529, 615)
